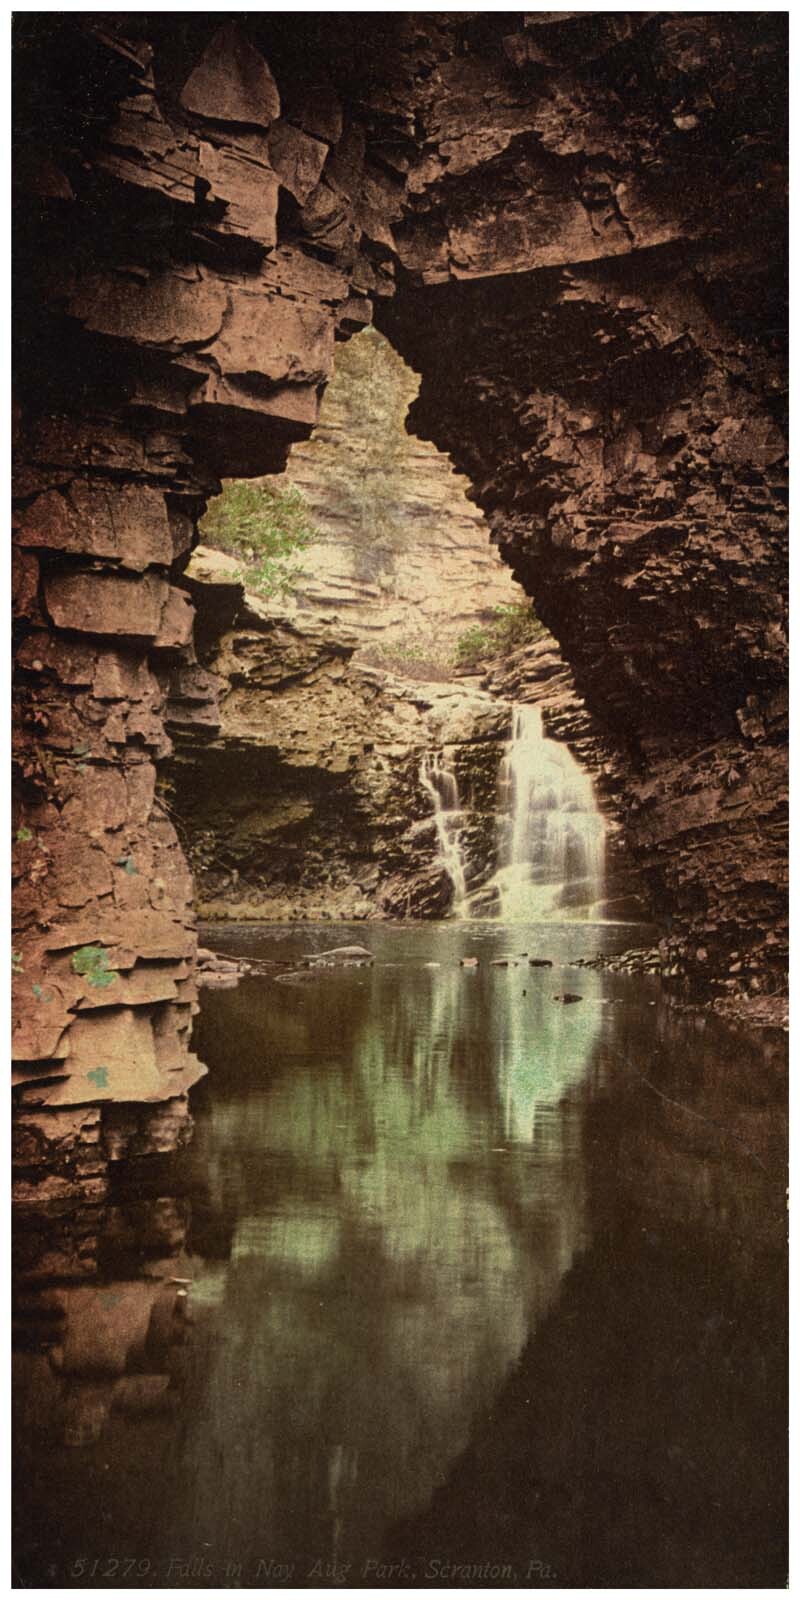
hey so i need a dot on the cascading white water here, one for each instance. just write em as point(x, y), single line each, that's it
point(552, 857)
point(438, 779)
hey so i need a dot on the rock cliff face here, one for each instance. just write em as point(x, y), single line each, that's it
point(582, 216)
point(617, 239)
point(402, 554)
point(297, 782)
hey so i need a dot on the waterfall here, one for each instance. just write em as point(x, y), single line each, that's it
point(438, 780)
point(552, 849)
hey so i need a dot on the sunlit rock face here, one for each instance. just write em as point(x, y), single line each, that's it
point(582, 217)
point(402, 556)
point(297, 781)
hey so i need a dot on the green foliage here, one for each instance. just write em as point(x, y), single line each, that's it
point(420, 662)
point(23, 835)
point(91, 962)
point(473, 646)
point(511, 627)
point(16, 961)
point(267, 527)
point(405, 652)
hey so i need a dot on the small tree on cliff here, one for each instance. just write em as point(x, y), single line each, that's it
point(266, 526)
point(511, 626)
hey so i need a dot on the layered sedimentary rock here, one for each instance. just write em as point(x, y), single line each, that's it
point(296, 781)
point(582, 216)
point(617, 239)
point(401, 553)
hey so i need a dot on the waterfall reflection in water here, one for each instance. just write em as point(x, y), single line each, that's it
point(390, 1187)
point(384, 1293)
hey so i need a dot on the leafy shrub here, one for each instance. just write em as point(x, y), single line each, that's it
point(511, 627)
point(266, 527)
point(419, 662)
point(473, 646)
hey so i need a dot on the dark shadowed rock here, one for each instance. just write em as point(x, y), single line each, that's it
point(232, 82)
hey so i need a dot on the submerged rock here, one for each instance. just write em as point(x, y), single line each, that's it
point(342, 955)
point(539, 961)
point(568, 999)
point(636, 961)
point(218, 972)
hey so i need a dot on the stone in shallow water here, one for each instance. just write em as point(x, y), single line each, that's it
point(339, 956)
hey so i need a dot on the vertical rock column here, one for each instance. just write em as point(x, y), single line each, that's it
point(104, 940)
point(162, 339)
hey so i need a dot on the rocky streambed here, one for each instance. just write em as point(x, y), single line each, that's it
point(747, 1009)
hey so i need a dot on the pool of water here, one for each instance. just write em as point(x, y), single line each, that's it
point(456, 1285)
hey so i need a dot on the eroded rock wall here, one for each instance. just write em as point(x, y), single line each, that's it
point(163, 334)
point(598, 311)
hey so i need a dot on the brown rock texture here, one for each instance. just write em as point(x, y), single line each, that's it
point(622, 249)
point(582, 215)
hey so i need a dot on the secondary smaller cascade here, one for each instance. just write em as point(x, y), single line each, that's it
point(438, 779)
point(553, 849)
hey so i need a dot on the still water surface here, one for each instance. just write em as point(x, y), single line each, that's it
point(481, 1288)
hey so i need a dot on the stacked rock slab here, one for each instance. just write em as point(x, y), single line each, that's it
point(582, 215)
point(401, 553)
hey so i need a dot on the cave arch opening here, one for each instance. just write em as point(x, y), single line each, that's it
point(597, 307)
point(571, 224)
point(380, 767)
